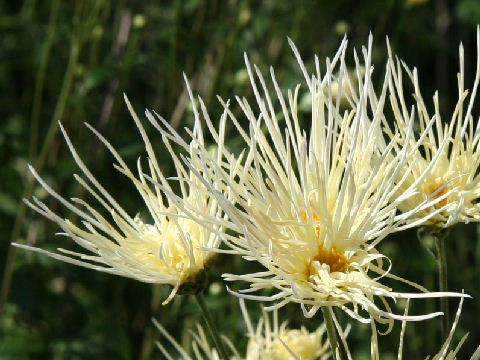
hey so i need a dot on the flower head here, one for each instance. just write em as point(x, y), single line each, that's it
point(269, 340)
point(444, 162)
point(165, 249)
point(200, 345)
point(310, 205)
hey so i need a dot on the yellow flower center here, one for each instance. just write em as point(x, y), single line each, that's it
point(333, 258)
point(431, 188)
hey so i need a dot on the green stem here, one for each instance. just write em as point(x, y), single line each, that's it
point(331, 332)
point(211, 325)
point(38, 165)
point(442, 281)
point(40, 79)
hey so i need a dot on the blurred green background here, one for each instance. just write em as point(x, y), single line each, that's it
point(72, 60)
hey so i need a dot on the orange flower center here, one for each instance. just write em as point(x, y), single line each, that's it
point(431, 188)
point(333, 258)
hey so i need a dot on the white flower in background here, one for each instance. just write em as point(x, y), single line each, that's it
point(269, 340)
point(310, 205)
point(166, 249)
point(453, 169)
point(200, 346)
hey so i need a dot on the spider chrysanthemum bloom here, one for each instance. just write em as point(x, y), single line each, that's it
point(269, 340)
point(165, 249)
point(280, 346)
point(311, 204)
point(200, 346)
point(445, 166)
point(273, 341)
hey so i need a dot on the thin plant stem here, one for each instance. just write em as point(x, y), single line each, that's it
point(211, 325)
point(38, 164)
point(331, 332)
point(442, 281)
point(40, 79)
point(148, 342)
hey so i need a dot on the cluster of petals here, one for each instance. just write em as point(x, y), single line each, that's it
point(269, 340)
point(164, 249)
point(309, 197)
point(445, 159)
point(311, 203)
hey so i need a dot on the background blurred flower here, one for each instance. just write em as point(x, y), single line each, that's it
point(200, 345)
point(269, 340)
point(444, 166)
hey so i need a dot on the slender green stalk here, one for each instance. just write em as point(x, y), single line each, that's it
point(331, 332)
point(211, 325)
point(38, 164)
point(430, 237)
point(442, 281)
point(40, 79)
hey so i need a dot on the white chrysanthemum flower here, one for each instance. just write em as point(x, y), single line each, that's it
point(303, 344)
point(166, 249)
point(311, 205)
point(200, 346)
point(448, 172)
point(269, 340)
